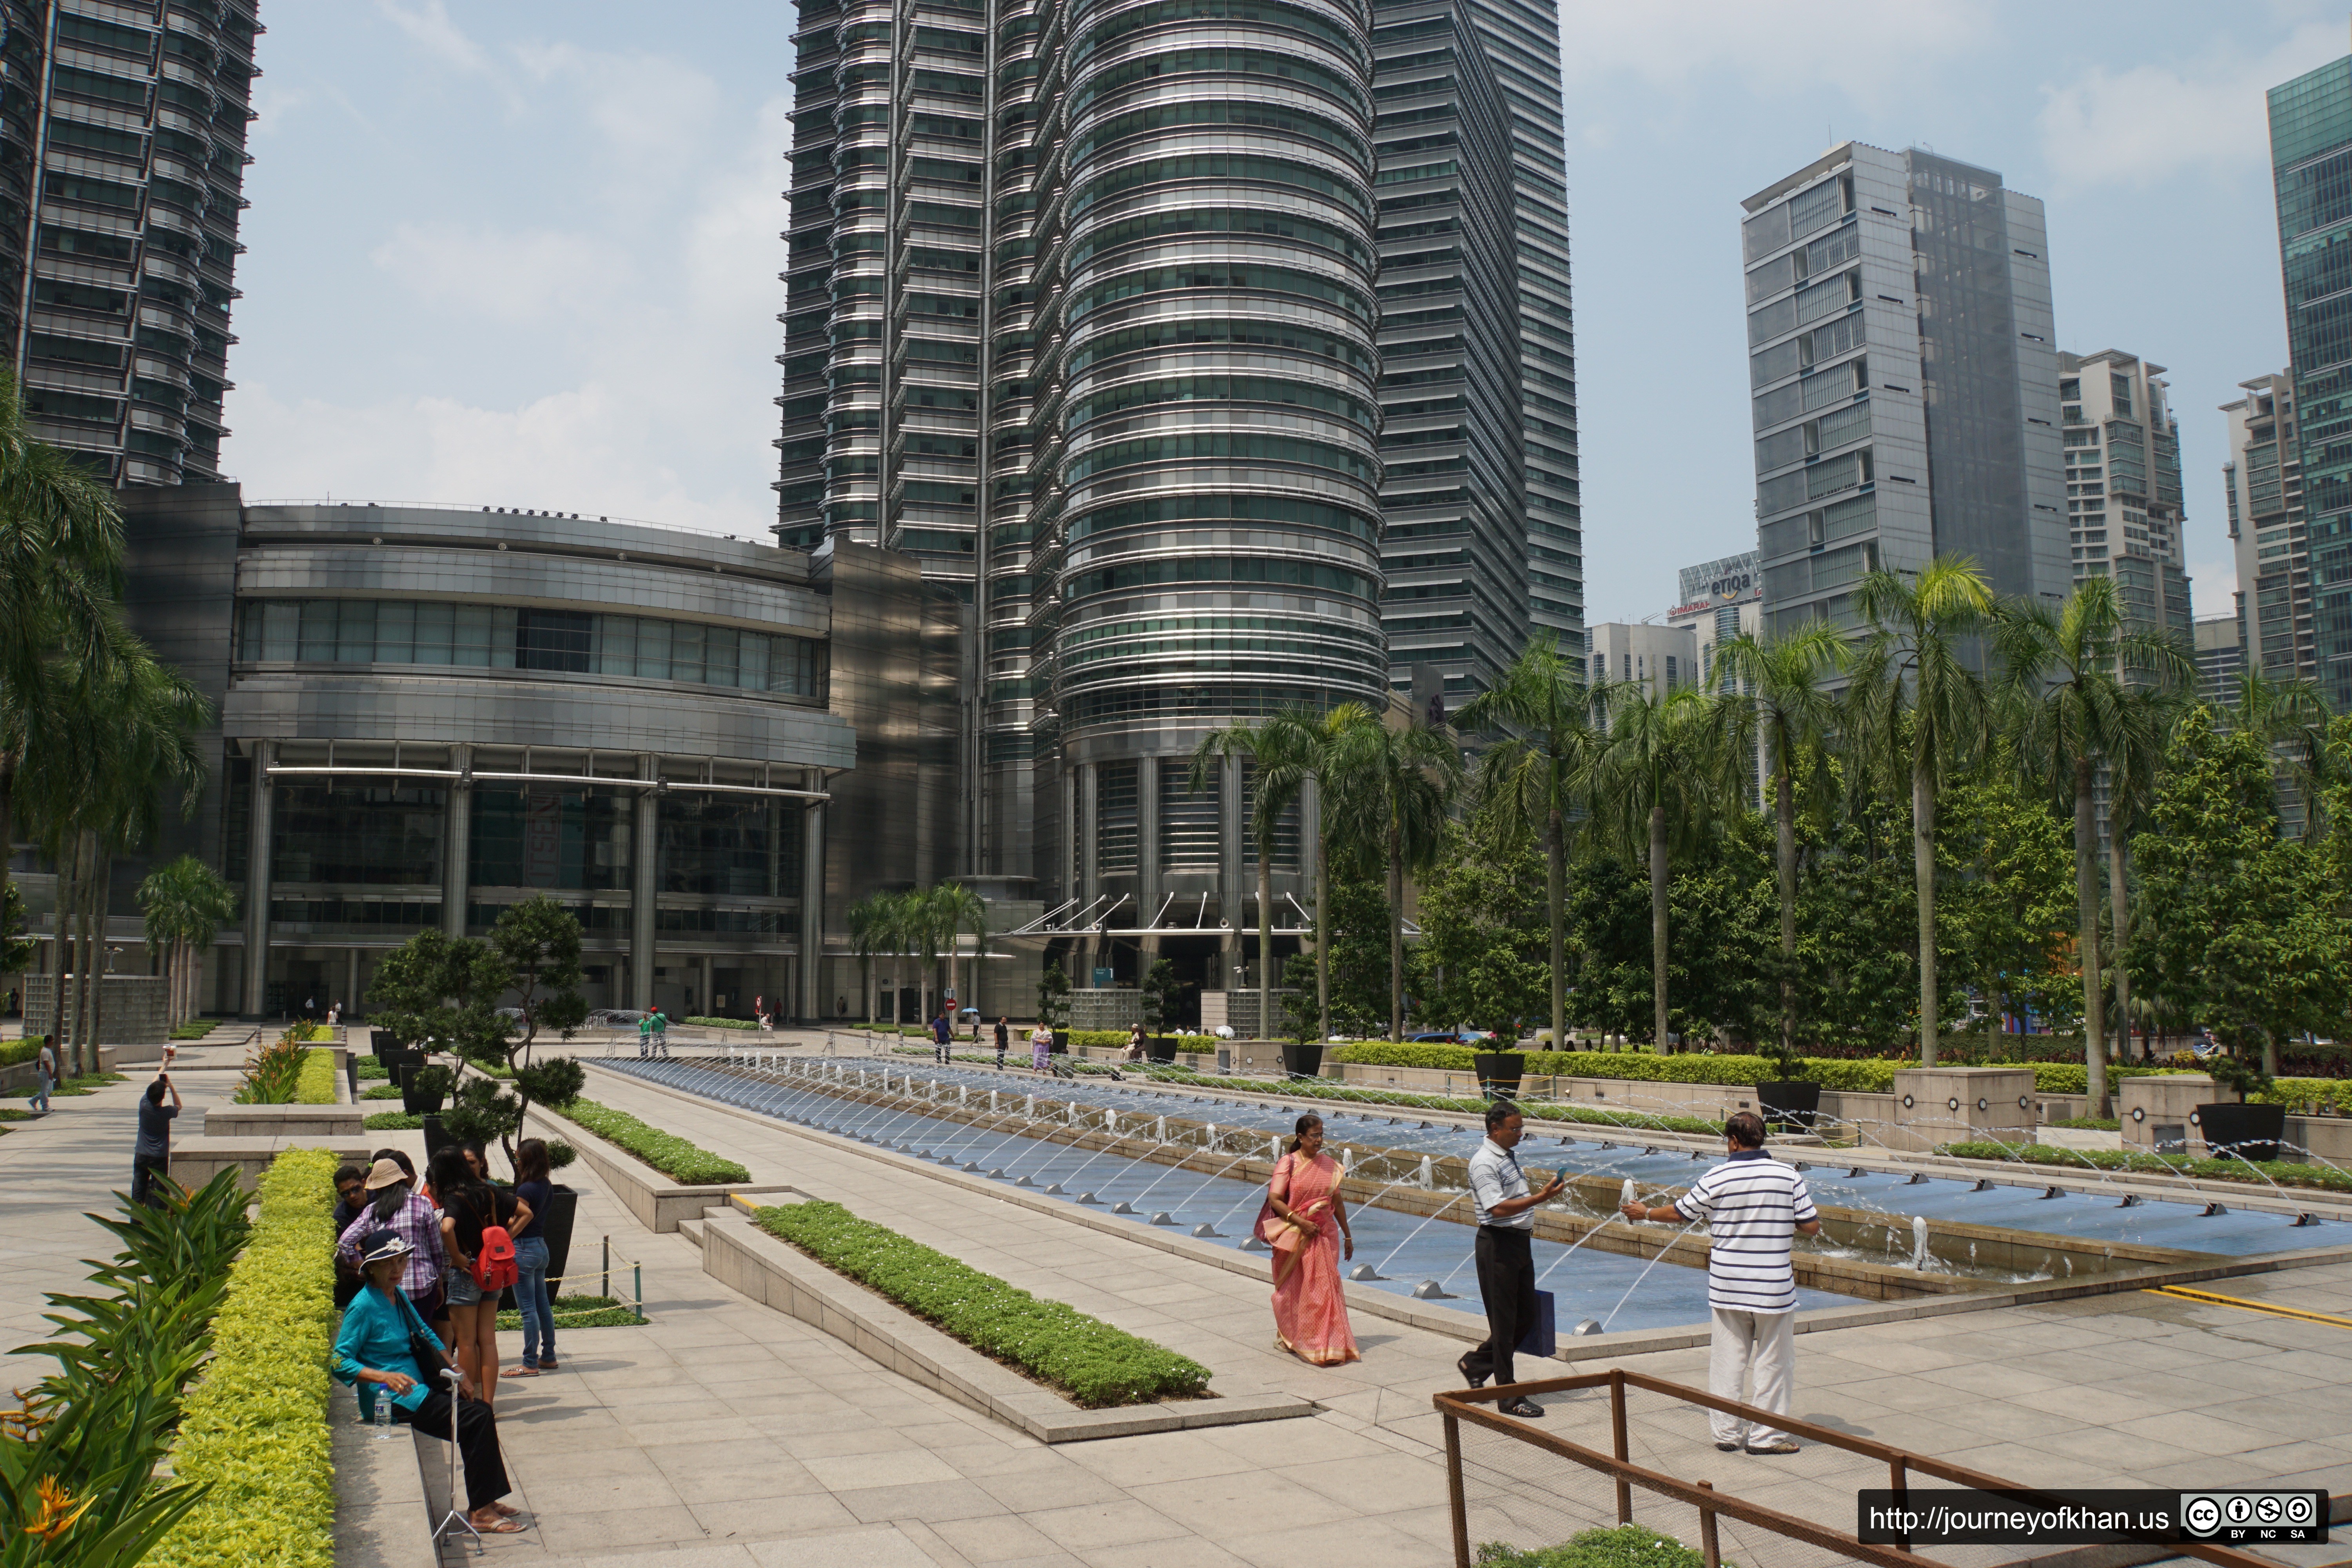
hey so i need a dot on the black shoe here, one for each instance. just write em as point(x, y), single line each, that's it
point(1726, 1447)
point(1524, 1409)
point(1468, 1377)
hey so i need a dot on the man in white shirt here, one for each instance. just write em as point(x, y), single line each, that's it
point(1755, 1207)
point(1504, 1207)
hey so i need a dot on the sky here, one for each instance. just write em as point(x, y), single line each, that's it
point(526, 254)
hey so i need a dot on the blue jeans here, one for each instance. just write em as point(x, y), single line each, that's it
point(42, 1099)
point(530, 1298)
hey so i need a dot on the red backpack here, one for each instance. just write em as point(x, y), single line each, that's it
point(494, 1264)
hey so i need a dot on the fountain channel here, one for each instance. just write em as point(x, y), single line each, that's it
point(1200, 1166)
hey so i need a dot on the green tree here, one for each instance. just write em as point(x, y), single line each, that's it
point(1531, 781)
point(185, 903)
point(869, 921)
point(1053, 996)
point(2062, 697)
point(2239, 927)
point(1351, 945)
point(957, 908)
point(1481, 961)
point(2135, 752)
point(1784, 704)
point(1916, 715)
point(1284, 756)
point(1163, 996)
point(16, 949)
point(1393, 790)
point(2290, 716)
point(1661, 780)
point(2007, 872)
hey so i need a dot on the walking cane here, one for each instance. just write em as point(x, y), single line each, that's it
point(456, 1516)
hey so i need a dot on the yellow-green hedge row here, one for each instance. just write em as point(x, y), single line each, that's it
point(317, 1084)
point(255, 1426)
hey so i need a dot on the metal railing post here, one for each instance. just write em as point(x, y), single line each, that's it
point(1899, 1477)
point(608, 1268)
point(1625, 1448)
point(1706, 1540)
point(1453, 1498)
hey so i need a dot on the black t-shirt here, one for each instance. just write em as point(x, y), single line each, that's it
point(1002, 1035)
point(154, 1131)
point(539, 1195)
point(460, 1206)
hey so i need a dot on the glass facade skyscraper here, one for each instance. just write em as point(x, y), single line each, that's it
point(2308, 583)
point(121, 163)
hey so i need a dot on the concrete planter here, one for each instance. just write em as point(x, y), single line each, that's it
point(657, 1202)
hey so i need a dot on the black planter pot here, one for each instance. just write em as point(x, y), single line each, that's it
point(1061, 1043)
point(1500, 1073)
point(555, 1229)
point(1159, 1048)
point(2248, 1131)
point(1789, 1103)
point(434, 1139)
point(416, 1101)
point(1302, 1061)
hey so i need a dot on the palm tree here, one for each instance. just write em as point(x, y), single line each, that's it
point(1391, 789)
point(1544, 709)
point(1283, 752)
point(2291, 717)
point(2062, 694)
point(1661, 776)
point(185, 903)
point(1917, 713)
point(923, 928)
point(1776, 690)
point(2135, 754)
point(869, 933)
point(955, 906)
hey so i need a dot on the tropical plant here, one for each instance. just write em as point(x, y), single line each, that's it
point(273, 1072)
point(1916, 713)
point(2062, 694)
point(1777, 695)
point(2136, 753)
point(1162, 996)
point(185, 904)
point(1480, 961)
point(1053, 996)
point(1393, 789)
point(2289, 716)
point(1532, 779)
point(1283, 758)
point(954, 907)
point(869, 926)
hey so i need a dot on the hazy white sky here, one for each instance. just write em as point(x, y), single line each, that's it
point(526, 254)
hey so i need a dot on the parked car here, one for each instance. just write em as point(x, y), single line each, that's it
point(1451, 1038)
point(614, 1019)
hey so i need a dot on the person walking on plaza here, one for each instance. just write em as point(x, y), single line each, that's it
point(1755, 1207)
point(661, 1034)
point(1004, 1038)
point(46, 1068)
point(1505, 1206)
point(373, 1348)
point(1305, 1220)
point(1041, 1048)
point(942, 1036)
point(153, 1152)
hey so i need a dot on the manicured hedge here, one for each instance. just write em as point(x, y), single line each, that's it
point(2251, 1171)
point(2088, 1123)
point(392, 1121)
point(2310, 1096)
point(15, 1052)
point(589, 1311)
point(370, 1067)
point(665, 1152)
point(1866, 1075)
point(1627, 1546)
point(316, 1086)
point(255, 1426)
point(722, 1023)
point(1533, 1110)
point(1095, 1363)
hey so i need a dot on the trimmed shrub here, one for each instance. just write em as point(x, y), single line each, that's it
point(381, 1091)
point(1094, 1363)
point(392, 1121)
point(589, 1311)
point(722, 1023)
point(255, 1426)
point(2089, 1123)
point(371, 1067)
point(1469, 1105)
point(15, 1052)
point(2309, 1096)
point(2254, 1172)
point(315, 1084)
point(1869, 1075)
point(665, 1151)
point(1627, 1546)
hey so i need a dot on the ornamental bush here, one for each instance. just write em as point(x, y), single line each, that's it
point(255, 1426)
point(316, 1083)
point(1096, 1363)
point(665, 1151)
point(1627, 1546)
point(722, 1023)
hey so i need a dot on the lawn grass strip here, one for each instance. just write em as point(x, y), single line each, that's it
point(681, 1161)
point(1095, 1365)
point(2253, 1172)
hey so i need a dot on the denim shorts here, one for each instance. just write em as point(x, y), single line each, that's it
point(463, 1291)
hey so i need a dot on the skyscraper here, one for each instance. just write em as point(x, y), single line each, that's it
point(2122, 447)
point(2311, 157)
point(123, 129)
point(1904, 379)
point(2263, 487)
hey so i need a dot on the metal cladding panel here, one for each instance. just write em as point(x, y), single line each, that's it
point(871, 826)
point(489, 711)
point(645, 543)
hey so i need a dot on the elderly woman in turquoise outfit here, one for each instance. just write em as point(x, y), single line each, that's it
point(372, 1352)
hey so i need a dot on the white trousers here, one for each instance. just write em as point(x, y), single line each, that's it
point(1764, 1343)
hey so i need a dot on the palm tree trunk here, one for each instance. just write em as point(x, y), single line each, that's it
point(68, 933)
point(7, 822)
point(1266, 941)
point(1658, 923)
point(2119, 921)
point(1322, 929)
point(1923, 869)
point(1556, 893)
point(1396, 930)
point(2086, 911)
point(1784, 812)
point(97, 950)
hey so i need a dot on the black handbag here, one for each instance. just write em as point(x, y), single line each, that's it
point(425, 1349)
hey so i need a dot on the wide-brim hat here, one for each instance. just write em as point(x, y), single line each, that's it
point(382, 1247)
point(384, 1173)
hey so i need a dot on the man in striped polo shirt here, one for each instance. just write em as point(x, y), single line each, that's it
point(1755, 1206)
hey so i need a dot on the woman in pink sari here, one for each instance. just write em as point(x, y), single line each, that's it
point(1305, 1220)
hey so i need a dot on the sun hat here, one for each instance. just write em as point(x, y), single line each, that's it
point(382, 1247)
point(384, 1173)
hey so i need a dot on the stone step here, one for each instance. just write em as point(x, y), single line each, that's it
point(691, 1229)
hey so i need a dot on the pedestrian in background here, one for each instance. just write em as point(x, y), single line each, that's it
point(1004, 1038)
point(1755, 1207)
point(48, 1069)
point(535, 1188)
point(1041, 1048)
point(393, 1203)
point(1505, 1208)
point(153, 1152)
point(351, 1201)
point(942, 1038)
point(661, 1033)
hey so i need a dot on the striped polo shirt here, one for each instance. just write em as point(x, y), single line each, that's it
point(1752, 1205)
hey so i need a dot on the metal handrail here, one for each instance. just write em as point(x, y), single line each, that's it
point(1458, 1405)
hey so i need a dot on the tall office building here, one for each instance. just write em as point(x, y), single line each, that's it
point(2311, 154)
point(1906, 388)
point(121, 159)
point(2122, 447)
point(1454, 492)
point(1717, 601)
point(2262, 487)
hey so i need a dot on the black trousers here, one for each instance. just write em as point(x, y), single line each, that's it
point(144, 1168)
point(478, 1444)
point(1507, 1278)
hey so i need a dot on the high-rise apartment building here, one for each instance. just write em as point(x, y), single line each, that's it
point(2221, 659)
point(2262, 489)
point(1662, 658)
point(1454, 548)
point(124, 129)
point(1905, 382)
point(2122, 447)
point(2311, 154)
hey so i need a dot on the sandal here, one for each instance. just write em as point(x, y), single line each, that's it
point(520, 1371)
point(497, 1527)
point(505, 1511)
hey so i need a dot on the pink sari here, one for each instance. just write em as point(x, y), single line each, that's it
point(1311, 1312)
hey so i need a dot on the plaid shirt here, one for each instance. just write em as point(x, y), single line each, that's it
point(417, 1223)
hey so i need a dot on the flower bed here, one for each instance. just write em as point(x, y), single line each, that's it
point(673, 1156)
point(1094, 1363)
point(315, 1084)
point(2254, 1172)
point(255, 1429)
point(1627, 1546)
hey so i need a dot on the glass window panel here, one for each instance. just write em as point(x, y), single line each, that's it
point(470, 638)
point(437, 630)
point(355, 632)
point(719, 654)
point(356, 832)
point(283, 627)
point(685, 651)
point(318, 632)
point(617, 645)
point(396, 631)
point(652, 649)
point(502, 638)
point(752, 670)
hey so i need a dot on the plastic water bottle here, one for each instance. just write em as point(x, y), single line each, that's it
point(382, 1422)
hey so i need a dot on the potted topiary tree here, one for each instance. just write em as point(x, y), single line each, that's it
point(1054, 1004)
point(1161, 994)
point(1789, 1100)
point(2245, 1128)
point(426, 1089)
